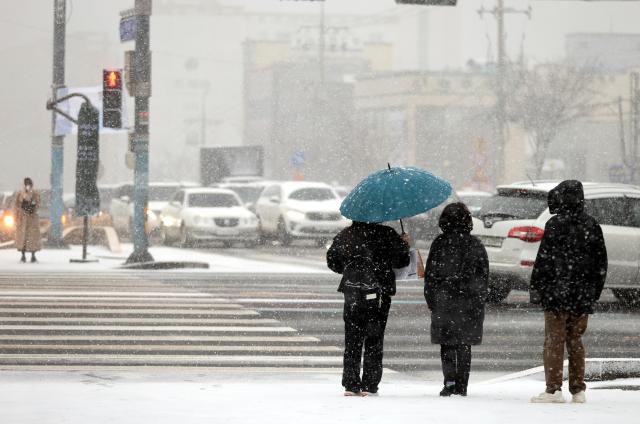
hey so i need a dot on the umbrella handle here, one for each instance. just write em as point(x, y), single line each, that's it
point(402, 227)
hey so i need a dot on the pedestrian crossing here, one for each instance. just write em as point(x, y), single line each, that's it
point(83, 321)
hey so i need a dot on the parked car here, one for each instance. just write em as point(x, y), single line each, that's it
point(300, 210)
point(207, 214)
point(511, 225)
point(249, 192)
point(425, 226)
point(121, 208)
point(7, 220)
point(473, 199)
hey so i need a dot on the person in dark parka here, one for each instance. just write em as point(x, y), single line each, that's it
point(567, 279)
point(455, 287)
point(365, 324)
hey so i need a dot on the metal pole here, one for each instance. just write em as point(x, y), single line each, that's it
point(85, 236)
point(57, 141)
point(142, 77)
point(499, 174)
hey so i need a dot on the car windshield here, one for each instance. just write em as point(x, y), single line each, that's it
point(312, 193)
point(247, 194)
point(212, 200)
point(162, 194)
point(515, 205)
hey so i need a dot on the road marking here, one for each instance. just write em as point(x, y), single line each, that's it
point(175, 359)
point(121, 328)
point(70, 293)
point(7, 321)
point(172, 347)
point(164, 338)
point(71, 312)
point(121, 304)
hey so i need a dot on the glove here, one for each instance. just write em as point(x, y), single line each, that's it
point(534, 297)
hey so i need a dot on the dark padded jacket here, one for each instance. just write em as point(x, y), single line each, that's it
point(455, 287)
point(571, 266)
point(385, 247)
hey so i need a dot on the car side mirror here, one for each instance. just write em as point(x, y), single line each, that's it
point(125, 199)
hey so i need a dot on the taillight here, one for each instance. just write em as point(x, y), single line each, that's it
point(527, 234)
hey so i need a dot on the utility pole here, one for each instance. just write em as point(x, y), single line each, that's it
point(142, 91)
point(499, 12)
point(57, 141)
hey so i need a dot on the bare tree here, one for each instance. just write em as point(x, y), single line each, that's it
point(545, 99)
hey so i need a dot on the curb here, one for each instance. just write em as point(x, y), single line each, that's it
point(159, 265)
point(596, 369)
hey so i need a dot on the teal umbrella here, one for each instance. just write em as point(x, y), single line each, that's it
point(395, 193)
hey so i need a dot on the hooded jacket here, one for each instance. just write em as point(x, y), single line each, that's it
point(456, 280)
point(571, 266)
point(380, 243)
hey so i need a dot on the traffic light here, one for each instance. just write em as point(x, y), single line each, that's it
point(112, 98)
point(429, 2)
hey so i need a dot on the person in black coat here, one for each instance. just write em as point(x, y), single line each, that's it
point(365, 322)
point(455, 287)
point(567, 279)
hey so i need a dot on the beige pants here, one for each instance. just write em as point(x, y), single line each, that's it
point(562, 328)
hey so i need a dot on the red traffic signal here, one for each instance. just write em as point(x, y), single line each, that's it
point(111, 79)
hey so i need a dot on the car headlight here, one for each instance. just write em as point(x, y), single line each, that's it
point(168, 221)
point(295, 215)
point(9, 221)
point(151, 215)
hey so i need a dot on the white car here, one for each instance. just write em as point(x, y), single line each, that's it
point(511, 225)
point(121, 208)
point(300, 210)
point(207, 214)
point(473, 199)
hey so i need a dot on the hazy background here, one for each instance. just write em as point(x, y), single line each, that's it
point(190, 47)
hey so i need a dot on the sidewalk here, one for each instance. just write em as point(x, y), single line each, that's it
point(58, 260)
point(235, 397)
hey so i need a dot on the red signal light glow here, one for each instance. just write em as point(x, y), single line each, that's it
point(112, 80)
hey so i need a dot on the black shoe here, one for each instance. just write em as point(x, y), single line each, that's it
point(23, 259)
point(33, 259)
point(448, 391)
point(461, 392)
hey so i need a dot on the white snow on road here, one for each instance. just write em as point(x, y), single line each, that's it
point(58, 261)
point(77, 398)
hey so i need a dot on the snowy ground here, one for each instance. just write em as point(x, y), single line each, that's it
point(58, 260)
point(99, 397)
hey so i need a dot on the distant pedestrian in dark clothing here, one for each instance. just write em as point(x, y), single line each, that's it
point(369, 252)
point(567, 279)
point(455, 287)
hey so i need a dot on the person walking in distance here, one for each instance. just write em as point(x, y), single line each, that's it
point(568, 278)
point(365, 254)
point(27, 238)
point(455, 288)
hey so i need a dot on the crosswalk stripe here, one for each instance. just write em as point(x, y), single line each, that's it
point(71, 293)
point(121, 304)
point(157, 328)
point(8, 321)
point(208, 348)
point(128, 311)
point(162, 338)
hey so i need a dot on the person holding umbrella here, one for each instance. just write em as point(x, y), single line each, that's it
point(366, 253)
point(455, 288)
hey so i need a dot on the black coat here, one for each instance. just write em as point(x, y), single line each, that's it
point(571, 266)
point(455, 287)
point(382, 243)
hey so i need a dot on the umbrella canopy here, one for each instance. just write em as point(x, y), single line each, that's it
point(395, 193)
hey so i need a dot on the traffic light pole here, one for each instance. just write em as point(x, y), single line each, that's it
point(142, 89)
point(57, 141)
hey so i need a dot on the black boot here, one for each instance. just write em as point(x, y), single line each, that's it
point(23, 259)
point(448, 390)
point(33, 258)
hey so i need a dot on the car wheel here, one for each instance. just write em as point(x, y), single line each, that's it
point(185, 240)
point(627, 297)
point(497, 292)
point(283, 234)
